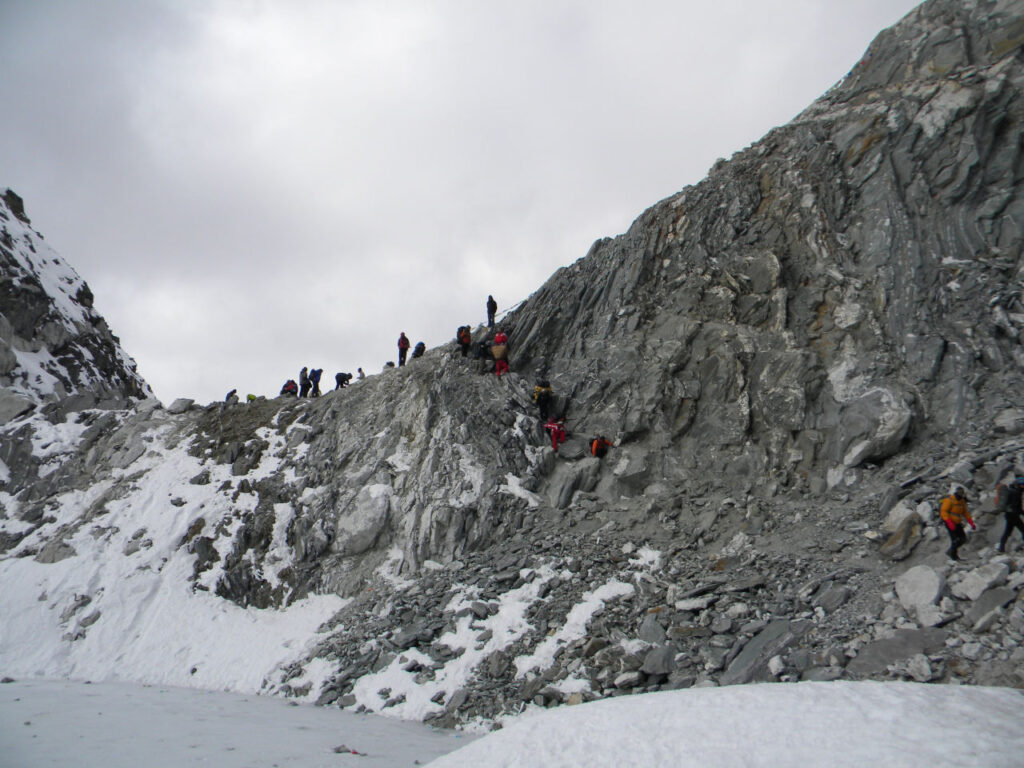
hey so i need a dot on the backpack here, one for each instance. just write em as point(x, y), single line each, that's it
point(1002, 497)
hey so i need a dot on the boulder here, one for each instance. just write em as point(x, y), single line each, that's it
point(833, 597)
point(899, 546)
point(1009, 421)
point(875, 657)
point(975, 582)
point(181, 405)
point(659, 661)
point(897, 515)
point(627, 680)
point(13, 405)
point(752, 662)
point(873, 425)
point(651, 630)
point(990, 600)
point(921, 585)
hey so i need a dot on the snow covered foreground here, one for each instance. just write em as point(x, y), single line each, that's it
point(114, 725)
point(122, 725)
point(805, 725)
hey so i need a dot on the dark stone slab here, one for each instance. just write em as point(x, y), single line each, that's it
point(875, 657)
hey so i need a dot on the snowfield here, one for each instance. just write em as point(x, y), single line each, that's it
point(117, 725)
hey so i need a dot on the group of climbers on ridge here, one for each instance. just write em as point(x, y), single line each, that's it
point(309, 383)
point(496, 349)
point(309, 380)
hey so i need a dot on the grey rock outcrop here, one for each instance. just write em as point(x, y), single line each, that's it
point(812, 323)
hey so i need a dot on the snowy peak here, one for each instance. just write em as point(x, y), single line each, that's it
point(55, 349)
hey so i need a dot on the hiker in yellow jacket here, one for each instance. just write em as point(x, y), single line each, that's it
point(953, 512)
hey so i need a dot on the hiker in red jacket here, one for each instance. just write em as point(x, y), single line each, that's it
point(499, 350)
point(403, 348)
point(556, 426)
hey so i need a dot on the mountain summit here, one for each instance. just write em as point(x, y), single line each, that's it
point(55, 349)
point(794, 359)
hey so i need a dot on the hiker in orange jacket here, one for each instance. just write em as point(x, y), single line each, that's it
point(599, 446)
point(954, 514)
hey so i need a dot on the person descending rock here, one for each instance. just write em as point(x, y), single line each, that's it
point(418, 350)
point(464, 338)
point(314, 379)
point(290, 388)
point(492, 308)
point(599, 446)
point(403, 348)
point(953, 512)
point(1009, 503)
point(499, 351)
point(556, 426)
point(304, 382)
point(359, 374)
point(231, 397)
point(542, 396)
point(341, 380)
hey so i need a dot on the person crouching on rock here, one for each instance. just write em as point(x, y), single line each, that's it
point(556, 426)
point(953, 512)
point(599, 446)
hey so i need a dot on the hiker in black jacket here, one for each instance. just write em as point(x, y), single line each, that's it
point(492, 308)
point(314, 380)
point(1010, 505)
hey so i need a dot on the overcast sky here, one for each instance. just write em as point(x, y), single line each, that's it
point(252, 186)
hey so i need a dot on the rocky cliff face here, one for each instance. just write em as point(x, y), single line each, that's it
point(60, 365)
point(841, 291)
point(795, 357)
